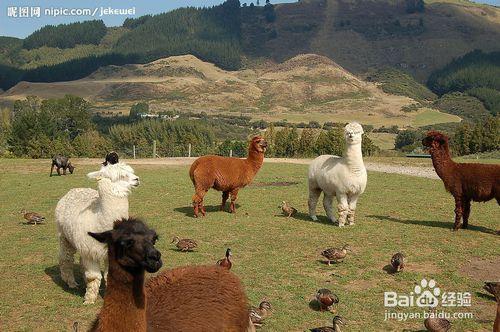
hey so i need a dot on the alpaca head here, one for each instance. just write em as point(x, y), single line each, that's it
point(259, 144)
point(119, 172)
point(434, 140)
point(71, 168)
point(353, 133)
point(131, 243)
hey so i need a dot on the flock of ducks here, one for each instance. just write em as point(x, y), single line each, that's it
point(325, 298)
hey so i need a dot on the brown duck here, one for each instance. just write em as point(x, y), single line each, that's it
point(257, 315)
point(287, 209)
point(398, 262)
point(184, 244)
point(335, 254)
point(434, 324)
point(33, 217)
point(226, 261)
point(326, 299)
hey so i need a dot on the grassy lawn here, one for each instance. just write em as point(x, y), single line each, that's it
point(275, 257)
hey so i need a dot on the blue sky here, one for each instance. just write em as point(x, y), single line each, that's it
point(23, 26)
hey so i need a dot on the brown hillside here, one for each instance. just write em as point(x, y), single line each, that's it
point(304, 88)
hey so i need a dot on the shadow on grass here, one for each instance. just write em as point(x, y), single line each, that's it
point(485, 296)
point(314, 305)
point(389, 269)
point(54, 273)
point(305, 217)
point(432, 223)
point(188, 210)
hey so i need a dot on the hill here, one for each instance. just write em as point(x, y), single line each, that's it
point(305, 88)
point(359, 35)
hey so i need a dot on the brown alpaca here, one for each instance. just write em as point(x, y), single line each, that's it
point(466, 182)
point(496, 325)
point(225, 174)
point(201, 298)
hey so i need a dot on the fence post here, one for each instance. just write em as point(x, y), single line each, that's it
point(134, 151)
point(154, 148)
point(189, 150)
point(230, 152)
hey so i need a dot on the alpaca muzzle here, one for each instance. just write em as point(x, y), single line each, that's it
point(152, 262)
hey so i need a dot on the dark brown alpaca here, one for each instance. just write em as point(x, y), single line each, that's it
point(202, 298)
point(225, 174)
point(466, 182)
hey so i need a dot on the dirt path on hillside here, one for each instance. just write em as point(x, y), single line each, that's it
point(423, 172)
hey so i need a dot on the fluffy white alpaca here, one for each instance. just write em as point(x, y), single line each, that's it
point(342, 177)
point(84, 210)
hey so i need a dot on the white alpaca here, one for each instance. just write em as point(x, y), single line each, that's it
point(84, 210)
point(343, 177)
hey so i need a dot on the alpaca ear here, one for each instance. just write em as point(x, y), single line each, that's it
point(101, 237)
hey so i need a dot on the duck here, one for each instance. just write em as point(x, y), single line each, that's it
point(225, 262)
point(493, 287)
point(337, 322)
point(287, 209)
point(33, 217)
point(184, 244)
point(257, 315)
point(335, 254)
point(326, 299)
point(435, 324)
point(398, 261)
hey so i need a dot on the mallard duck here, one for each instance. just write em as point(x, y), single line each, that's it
point(326, 299)
point(184, 244)
point(493, 287)
point(335, 254)
point(434, 324)
point(226, 261)
point(398, 262)
point(287, 209)
point(33, 217)
point(337, 322)
point(257, 315)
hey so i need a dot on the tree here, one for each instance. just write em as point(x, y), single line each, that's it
point(286, 141)
point(137, 109)
point(305, 146)
point(407, 140)
point(330, 142)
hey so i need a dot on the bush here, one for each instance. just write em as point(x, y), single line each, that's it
point(408, 140)
point(467, 107)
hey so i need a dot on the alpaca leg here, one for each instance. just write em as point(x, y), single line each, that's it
point(234, 197)
point(327, 204)
point(353, 200)
point(66, 260)
point(343, 208)
point(51, 169)
point(466, 210)
point(198, 202)
point(314, 194)
point(58, 170)
point(64, 170)
point(93, 278)
point(225, 196)
point(458, 214)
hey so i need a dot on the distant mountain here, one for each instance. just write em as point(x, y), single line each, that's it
point(304, 88)
point(359, 35)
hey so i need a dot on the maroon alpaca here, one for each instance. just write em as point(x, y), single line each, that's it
point(466, 182)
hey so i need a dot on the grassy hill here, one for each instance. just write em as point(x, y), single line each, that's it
point(304, 88)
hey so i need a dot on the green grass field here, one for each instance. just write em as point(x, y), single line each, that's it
point(275, 257)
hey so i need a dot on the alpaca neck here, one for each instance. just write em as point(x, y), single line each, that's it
point(354, 158)
point(255, 159)
point(112, 206)
point(124, 306)
point(442, 162)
